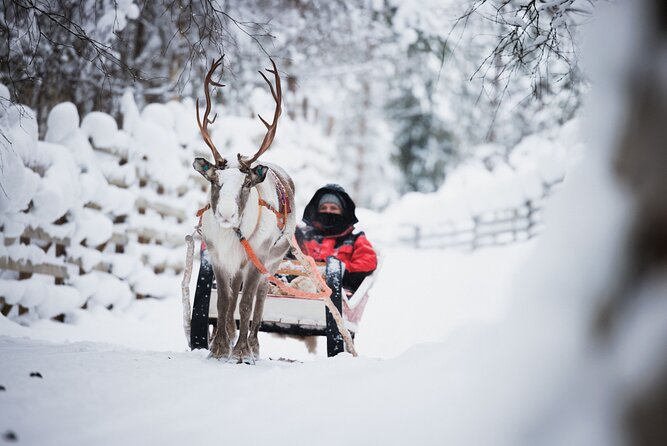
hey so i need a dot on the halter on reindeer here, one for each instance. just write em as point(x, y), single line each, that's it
point(247, 227)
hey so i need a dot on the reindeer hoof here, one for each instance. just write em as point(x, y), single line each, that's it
point(243, 355)
point(219, 357)
point(246, 360)
point(254, 348)
point(220, 353)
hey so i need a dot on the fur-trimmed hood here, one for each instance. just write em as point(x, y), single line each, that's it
point(349, 216)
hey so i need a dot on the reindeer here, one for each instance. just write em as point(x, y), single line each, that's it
point(252, 202)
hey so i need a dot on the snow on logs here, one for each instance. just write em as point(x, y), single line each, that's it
point(92, 215)
point(101, 211)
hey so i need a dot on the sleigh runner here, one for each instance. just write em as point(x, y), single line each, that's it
point(286, 313)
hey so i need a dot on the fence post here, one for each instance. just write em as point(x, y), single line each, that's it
point(473, 244)
point(417, 236)
point(531, 211)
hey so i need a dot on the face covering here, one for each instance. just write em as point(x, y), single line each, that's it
point(330, 223)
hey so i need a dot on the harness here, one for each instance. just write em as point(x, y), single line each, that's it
point(283, 202)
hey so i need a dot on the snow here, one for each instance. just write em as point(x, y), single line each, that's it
point(59, 190)
point(100, 128)
point(88, 258)
point(113, 19)
point(118, 366)
point(63, 123)
point(130, 111)
point(94, 228)
point(12, 290)
point(58, 299)
point(430, 294)
point(23, 253)
point(111, 291)
point(48, 300)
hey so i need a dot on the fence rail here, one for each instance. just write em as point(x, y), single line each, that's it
point(495, 228)
point(27, 267)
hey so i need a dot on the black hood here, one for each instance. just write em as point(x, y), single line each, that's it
point(349, 216)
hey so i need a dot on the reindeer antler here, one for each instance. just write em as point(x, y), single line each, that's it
point(270, 128)
point(203, 123)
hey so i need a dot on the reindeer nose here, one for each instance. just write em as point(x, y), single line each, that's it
point(227, 217)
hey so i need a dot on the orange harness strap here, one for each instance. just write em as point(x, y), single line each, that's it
point(280, 216)
point(325, 290)
point(200, 212)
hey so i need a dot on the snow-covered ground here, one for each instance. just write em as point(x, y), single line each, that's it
point(128, 378)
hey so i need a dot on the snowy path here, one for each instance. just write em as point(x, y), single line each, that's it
point(96, 394)
point(129, 379)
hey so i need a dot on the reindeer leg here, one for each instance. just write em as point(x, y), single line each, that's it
point(231, 323)
point(241, 352)
point(253, 342)
point(221, 344)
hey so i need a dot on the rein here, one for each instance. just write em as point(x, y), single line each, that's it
point(310, 266)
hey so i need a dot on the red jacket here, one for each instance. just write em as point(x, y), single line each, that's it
point(353, 249)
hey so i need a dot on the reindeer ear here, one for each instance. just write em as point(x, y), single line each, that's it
point(258, 174)
point(206, 169)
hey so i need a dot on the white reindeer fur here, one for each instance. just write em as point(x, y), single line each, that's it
point(225, 245)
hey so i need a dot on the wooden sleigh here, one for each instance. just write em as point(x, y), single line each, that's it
point(287, 314)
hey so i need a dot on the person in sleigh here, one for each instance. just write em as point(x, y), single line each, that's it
point(329, 220)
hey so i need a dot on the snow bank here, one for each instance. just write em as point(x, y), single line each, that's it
point(476, 191)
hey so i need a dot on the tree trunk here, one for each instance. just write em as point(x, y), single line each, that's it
point(641, 164)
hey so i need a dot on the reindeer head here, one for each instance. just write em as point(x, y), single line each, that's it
point(230, 185)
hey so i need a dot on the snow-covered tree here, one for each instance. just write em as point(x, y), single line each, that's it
point(500, 96)
point(403, 89)
point(424, 142)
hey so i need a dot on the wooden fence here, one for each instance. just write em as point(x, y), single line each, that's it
point(494, 228)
